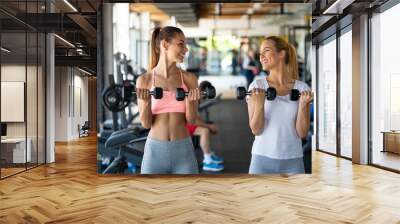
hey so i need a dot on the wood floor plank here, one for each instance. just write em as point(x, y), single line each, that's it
point(70, 191)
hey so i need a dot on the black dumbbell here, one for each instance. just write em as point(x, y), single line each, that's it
point(294, 94)
point(241, 93)
point(118, 97)
point(157, 92)
point(130, 89)
point(208, 92)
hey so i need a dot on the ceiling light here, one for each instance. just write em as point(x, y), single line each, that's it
point(65, 41)
point(70, 5)
point(5, 50)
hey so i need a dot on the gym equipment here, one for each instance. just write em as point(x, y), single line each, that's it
point(117, 97)
point(83, 131)
point(120, 149)
point(270, 93)
point(295, 94)
point(208, 92)
point(130, 91)
point(113, 98)
point(205, 105)
point(241, 93)
point(124, 140)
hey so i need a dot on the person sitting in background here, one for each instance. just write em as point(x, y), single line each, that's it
point(211, 162)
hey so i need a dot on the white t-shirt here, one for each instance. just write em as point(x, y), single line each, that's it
point(279, 139)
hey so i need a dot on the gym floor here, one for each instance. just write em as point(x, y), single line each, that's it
point(234, 140)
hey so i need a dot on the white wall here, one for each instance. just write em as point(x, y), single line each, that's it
point(33, 126)
point(61, 103)
point(13, 73)
point(79, 117)
point(71, 87)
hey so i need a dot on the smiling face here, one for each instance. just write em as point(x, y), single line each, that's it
point(176, 48)
point(269, 56)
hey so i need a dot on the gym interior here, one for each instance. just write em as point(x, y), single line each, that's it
point(211, 57)
point(70, 154)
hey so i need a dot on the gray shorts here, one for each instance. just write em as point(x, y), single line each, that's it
point(169, 157)
point(265, 165)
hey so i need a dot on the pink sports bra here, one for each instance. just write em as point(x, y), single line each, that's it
point(168, 103)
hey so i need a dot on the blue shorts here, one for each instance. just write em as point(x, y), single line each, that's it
point(169, 157)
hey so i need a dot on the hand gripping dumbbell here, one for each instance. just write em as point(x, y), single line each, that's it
point(295, 94)
point(157, 92)
point(130, 89)
point(241, 93)
point(208, 92)
point(116, 98)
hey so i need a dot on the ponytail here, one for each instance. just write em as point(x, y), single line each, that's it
point(155, 48)
point(292, 62)
point(291, 55)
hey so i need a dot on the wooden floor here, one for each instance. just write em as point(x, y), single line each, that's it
point(10, 171)
point(70, 191)
point(5, 172)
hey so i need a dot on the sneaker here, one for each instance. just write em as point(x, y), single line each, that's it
point(131, 168)
point(215, 167)
point(217, 159)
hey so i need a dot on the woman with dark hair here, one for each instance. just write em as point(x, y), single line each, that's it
point(168, 149)
point(279, 124)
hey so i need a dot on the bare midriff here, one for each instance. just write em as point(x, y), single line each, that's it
point(169, 127)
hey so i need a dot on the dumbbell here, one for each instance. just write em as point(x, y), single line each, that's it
point(130, 89)
point(241, 93)
point(157, 92)
point(270, 93)
point(118, 97)
point(295, 94)
point(208, 92)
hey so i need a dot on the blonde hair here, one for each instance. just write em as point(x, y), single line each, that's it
point(291, 56)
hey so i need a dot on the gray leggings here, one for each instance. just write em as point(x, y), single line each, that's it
point(169, 157)
point(265, 165)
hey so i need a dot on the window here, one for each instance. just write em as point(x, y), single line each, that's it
point(327, 97)
point(22, 75)
point(346, 94)
point(385, 87)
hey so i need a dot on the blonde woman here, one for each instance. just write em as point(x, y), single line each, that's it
point(279, 124)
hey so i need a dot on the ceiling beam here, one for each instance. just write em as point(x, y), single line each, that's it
point(86, 27)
